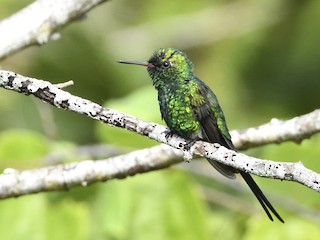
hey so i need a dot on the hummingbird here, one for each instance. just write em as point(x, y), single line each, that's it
point(191, 110)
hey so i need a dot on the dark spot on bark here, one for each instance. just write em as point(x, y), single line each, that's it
point(92, 114)
point(149, 128)
point(216, 145)
point(121, 121)
point(134, 170)
point(106, 119)
point(45, 95)
point(117, 122)
point(64, 104)
point(288, 175)
point(11, 78)
point(24, 87)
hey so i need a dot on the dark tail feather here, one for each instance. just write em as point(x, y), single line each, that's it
point(260, 196)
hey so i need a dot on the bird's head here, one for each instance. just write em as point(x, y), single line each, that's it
point(167, 65)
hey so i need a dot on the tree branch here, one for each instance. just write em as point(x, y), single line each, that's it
point(277, 131)
point(44, 18)
point(15, 183)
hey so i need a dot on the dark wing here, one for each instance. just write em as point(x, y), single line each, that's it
point(214, 130)
point(213, 126)
point(163, 109)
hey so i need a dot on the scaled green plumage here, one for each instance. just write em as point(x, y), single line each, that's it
point(191, 109)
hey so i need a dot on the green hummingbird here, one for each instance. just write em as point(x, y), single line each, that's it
point(192, 111)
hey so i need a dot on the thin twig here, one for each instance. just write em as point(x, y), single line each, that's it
point(65, 84)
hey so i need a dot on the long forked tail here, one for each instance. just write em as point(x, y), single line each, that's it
point(266, 205)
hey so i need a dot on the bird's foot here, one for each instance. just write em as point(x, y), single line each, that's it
point(169, 134)
point(187, 150)
point(189, 144)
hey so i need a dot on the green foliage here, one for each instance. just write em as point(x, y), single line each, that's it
point(142, 104)
point(152, 206)
point(9, 6)
point(294, 229)
point(37, 218)
point(21, 147)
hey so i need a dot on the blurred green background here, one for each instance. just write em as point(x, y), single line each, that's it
point(262, 59)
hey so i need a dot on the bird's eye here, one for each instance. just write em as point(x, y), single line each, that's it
point(166, 64)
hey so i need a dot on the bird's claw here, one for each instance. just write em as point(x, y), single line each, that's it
point(169, 134)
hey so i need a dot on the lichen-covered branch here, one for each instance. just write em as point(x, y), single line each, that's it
point(264, 168)
point(39, 22)
point(14, 183)
point(277, 131)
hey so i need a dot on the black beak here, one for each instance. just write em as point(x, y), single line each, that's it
point(145, 64)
